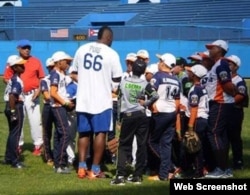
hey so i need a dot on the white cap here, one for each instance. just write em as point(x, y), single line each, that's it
point(198, 70)
point(220, 43)
point(168, 59)
point(204, 54)
point(195, 56)
point(49, 62)
point(15, 59)
point(131, 57)
point(235, 59)
point(60, 55)
point(142, 54)
point(152, 68)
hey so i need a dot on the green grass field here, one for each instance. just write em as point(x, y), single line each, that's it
point(39, 178)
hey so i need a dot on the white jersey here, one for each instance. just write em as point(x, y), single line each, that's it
point(96, 64)
point(198, 97)
point(15, 86)
point(58, 79)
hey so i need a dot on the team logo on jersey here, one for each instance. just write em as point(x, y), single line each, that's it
point(223, 75)
point(194, 99)
point(152, 81)
point(242, 89)
point(55, 80)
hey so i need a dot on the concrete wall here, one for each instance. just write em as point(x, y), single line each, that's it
point(43, 50)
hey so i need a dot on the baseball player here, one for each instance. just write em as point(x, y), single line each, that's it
point(197, 120)
point(241, 100)
point(47, 115)
point(132, 93)
point(97, 65)
point(164, 115)
point(31, 79)
point(221, 92)
point(14, 111)
point(60, 103)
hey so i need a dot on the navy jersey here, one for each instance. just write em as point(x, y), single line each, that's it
point(168, 88)
point(198, 97)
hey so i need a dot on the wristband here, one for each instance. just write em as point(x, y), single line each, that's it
point(12, 111)
point(66, 103)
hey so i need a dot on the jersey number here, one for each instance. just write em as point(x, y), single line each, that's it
point(171, 92)
point(93, 62)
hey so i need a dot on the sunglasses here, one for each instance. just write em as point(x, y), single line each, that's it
point(26, 47)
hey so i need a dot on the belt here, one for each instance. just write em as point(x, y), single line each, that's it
point(29, 92)
point(133, 114)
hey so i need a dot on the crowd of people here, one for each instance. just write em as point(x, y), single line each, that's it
point(156, 105)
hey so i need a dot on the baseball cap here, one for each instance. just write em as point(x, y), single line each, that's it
point(15, 59)
point(139, 67)
point(49, 62)
point(195, 57)
point(131, 57)
point(61, 55)
point(220, 43)
point(23, 42)
point(168, 59)
point(204, 54)
point(235, 59)
point(198, 70)
point(152, 68)
point(181, 61)
point(142, 54)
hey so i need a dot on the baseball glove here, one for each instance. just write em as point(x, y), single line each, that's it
point(113, 145)
point(191, 142)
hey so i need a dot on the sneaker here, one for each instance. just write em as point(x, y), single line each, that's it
point(92, 175)
point(119, 181)
point(228, 173)
point(174, 172)
point(81, 173)
point(134, 179)
point(154, 178)
point(62, 170)
point(37, 151)
point(50, 162)
point(6, 162)
point(216, 173)
point(18, 165)
point(238, 165)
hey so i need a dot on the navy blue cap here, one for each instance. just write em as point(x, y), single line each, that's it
point(23, 42)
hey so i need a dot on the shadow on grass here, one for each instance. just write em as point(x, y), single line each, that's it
point(123, 190)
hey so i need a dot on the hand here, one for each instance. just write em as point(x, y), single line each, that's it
point(13, 117)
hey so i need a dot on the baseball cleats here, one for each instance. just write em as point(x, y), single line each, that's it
point(134, 179)
point(62, 170)
point(216, 173)
point(92, 175)
point(118, 180)
point(81, 173)
point(18, 165)
point(37, 151)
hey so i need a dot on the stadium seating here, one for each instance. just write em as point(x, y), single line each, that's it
point(65, 13)
point(47, 14)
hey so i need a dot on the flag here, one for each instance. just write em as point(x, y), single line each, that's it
point(59, 33)
point(92, 32)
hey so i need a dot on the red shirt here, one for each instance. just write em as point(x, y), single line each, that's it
point(31, 76)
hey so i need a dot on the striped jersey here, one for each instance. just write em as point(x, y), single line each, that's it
point(58, 79)
point(198, 97)
point(216, 77)
point(14, 86)
point(45, 86)
point(240, 83)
